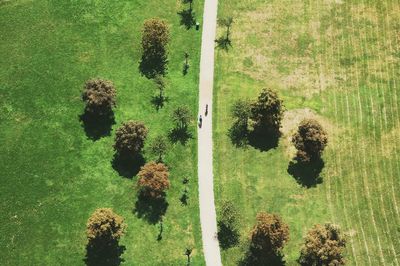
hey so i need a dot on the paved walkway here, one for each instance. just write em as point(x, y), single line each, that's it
point(205, 164)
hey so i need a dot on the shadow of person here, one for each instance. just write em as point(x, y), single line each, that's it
point(306, 174)
point(150, 209)
point(258, 258)
point(264, 139)
point(187, 18)
point(151, 66)
point(97, 126)
point(181, 135)
point(227, 237)
point(104, 253)
point(127, 165)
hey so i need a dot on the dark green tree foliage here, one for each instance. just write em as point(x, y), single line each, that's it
point(228, 225)
point(190, 2)
point(267, 111)
point(99, 96)
point(270, 234)
point(241, 111)
point(159, 147)
point(130, 137)
point(182, 117)
point(155, 38)
point(324, 246)
point(310, 140)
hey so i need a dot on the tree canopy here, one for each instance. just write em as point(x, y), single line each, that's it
point(267, 111)
point(153, 179)
point(104, 224)
point(310, 140)
point(130, 137)
point(270, 233)
point(324, 246)
point(181, 116)
point(99, 96)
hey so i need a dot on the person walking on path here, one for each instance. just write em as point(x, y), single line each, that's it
point(200, 121)
point(206, 113)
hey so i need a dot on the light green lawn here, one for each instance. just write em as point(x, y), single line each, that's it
point(52, 176)
point(339, 62)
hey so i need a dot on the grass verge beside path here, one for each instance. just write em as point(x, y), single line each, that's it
point(53, 177)
point(339, 62)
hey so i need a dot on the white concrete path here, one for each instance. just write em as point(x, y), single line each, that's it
point(205, 148)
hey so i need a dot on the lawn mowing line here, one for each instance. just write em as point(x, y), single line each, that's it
point(369, 201)
point(377, 52)
point(360, 116)
point(382, 145)
point(396, 111)
point(329, 192)
point(338, 163)
point(343, 73)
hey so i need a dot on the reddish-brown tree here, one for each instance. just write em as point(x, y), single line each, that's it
point(153, 180)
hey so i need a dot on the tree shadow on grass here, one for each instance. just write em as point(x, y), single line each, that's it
point(187, 18)
point(306, 174)
point(158, 101)
point(150, 209)
point(104, 253)
point(238, 134)
point(151, 66)
point(181, 135)
point(223, 43)
point(126, 165)
point(97, 126)
point(258, 258)
point(227, 238)
point(264, 139)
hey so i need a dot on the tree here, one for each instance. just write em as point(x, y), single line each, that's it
point(190, 2)
point(130, 137)
point(324, 245)
point(105, 225)
point(155, 37)
point(159, 147)
point(181, 116)
point(225, 41)
point(310, 140)
point(228, 225)
point(270, 233)
point(153, 180)
point(267, 111)
point(99, 96)
point(241, 111)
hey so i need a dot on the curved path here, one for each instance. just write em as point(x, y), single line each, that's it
point(205, 157)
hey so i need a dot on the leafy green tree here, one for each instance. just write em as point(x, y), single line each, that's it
point(153, 180)
point(182, 117)
point(106, 225)
point(267, 111)
point(241, 111)
point(228, 225)
point(324, 246)
point(270, 233)
point(310, 140)
point(159, 147)
point(99, 96)
point(130, 137)
point(190, 2)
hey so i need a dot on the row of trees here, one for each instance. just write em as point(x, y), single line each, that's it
point(323, 244)
point(264, 116)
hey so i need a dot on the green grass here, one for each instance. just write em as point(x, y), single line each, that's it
point(53, 177)
point(341, 60)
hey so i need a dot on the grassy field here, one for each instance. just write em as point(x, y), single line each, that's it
point(52, 176)
point(336, 61)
